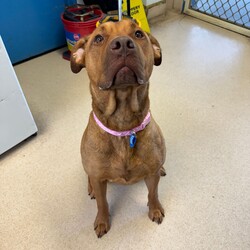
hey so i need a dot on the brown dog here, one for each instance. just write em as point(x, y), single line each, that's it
point(119, 59)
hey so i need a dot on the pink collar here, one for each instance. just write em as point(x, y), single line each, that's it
point(145, 122)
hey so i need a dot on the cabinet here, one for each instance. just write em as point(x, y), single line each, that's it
point(16, 121)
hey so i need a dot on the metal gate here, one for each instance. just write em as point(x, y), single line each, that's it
point(230, 14)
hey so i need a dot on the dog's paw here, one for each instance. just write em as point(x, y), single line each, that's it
point(92, 195)
point(101, 226)
point(163, 171)
point(156, 214)
point(91, 190)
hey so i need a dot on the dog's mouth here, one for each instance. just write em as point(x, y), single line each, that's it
point(124, 76)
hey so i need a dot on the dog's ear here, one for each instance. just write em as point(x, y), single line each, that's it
point(77, 59)
point(157, 50)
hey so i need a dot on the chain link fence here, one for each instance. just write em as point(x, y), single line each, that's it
point(233, 11)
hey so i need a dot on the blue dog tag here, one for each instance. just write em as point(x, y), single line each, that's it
point(132, 140)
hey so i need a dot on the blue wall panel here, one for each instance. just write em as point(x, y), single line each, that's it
point(29, 28)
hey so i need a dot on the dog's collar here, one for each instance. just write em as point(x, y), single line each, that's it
point(131, 133)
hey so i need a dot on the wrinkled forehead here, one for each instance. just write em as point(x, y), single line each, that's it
point(119, 28)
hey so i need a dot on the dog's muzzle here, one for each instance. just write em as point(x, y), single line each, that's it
point(124, 64)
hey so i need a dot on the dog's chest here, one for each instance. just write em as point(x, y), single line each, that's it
point(129, 165)
point(126, 174)
point(110, 158)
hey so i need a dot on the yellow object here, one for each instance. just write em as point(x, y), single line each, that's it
point(115, 18)
point(108, 18)
point(137, 12)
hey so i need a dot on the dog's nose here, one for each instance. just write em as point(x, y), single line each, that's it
point(122, 45)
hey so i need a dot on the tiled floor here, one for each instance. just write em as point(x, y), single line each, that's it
point(200, 96)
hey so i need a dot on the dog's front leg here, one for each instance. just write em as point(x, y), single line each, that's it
point(156, 212)
point(101, 224)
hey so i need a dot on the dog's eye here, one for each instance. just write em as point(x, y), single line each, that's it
point(98, 39)
point(139, 34)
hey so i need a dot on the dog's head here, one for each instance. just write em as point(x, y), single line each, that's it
point(117, 55)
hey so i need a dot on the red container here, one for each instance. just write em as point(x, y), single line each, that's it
point(84, 25)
